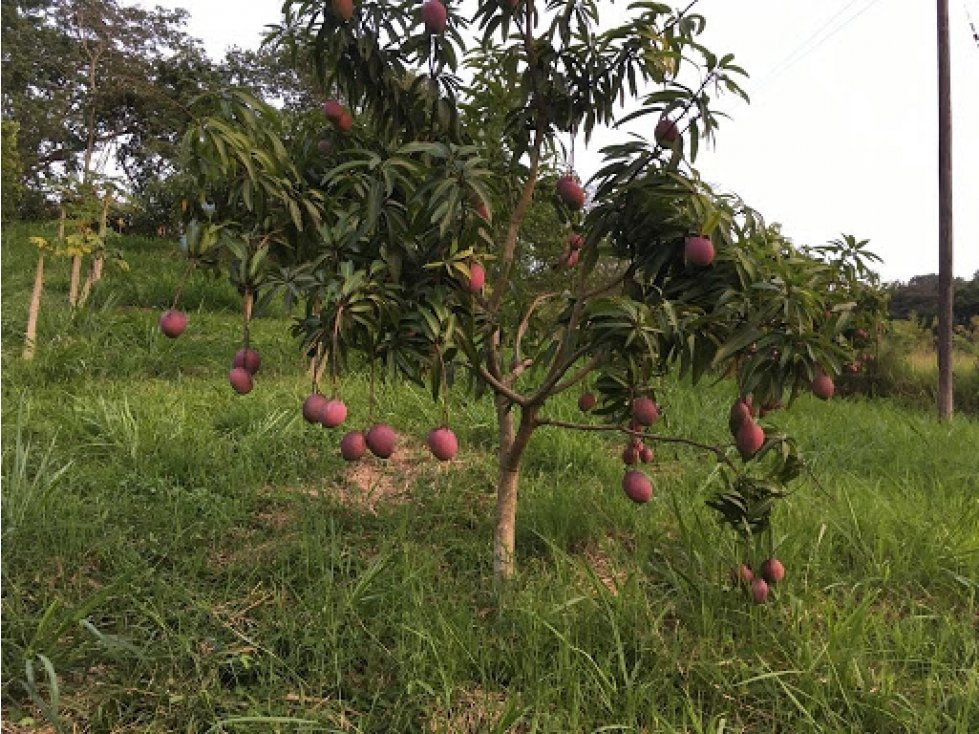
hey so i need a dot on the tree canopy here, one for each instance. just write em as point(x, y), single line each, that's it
point(99, 86)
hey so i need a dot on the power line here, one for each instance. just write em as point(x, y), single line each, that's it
point(968, 17)
point(795, 58)
point(777, 68)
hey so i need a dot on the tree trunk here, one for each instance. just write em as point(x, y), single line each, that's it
point(35, 308)
point(98, 260)
point(511, 452)
point(76, 277)
point(89, 279)
point(90, 114)
point(314, 363)
point(504, 541)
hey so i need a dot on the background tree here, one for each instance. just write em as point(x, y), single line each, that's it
point(91, 81)
point(10, 187)
point(919, 296)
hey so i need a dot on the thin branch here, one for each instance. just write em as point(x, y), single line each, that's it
point(525, 324)
point(716, 450)
point(527, 194)
point(678, 18)
point(686, 108)
point(518, 368)
point(605, 288)
point(493, 355)
point(502, 389)
point(556, 373)
point(562, 363)
point(494, 373)
point(578, 376)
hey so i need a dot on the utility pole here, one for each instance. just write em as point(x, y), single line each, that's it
point(946, 285)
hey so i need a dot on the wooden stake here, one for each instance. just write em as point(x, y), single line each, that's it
point(30, 341)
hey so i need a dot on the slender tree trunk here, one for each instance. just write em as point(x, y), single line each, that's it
point(317, 365)
point(89, 280)
point(90, 116)
point(30, 340)
point(946, 284)
point(76, 278)
point(35, 308)
point(512, 447)
point(98, 260)
point(504, 541)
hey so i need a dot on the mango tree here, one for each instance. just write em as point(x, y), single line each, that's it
point(404, 228)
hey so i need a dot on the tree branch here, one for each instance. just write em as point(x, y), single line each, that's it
point(578, 376)
point(605, 288)
point(679, 17)
point(649, 437)
point(501, 388)
point(494, 374)
point(524, 325)
point(527, 194)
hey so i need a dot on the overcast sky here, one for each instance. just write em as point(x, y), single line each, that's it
point(840, 136)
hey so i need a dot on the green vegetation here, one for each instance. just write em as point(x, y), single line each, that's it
point(179, 557)
point(182, 558)
point(904, 367)
point(918, 299)
point(10, 169)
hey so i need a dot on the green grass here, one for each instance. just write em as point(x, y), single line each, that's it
point(913, 377)
point(180, 558)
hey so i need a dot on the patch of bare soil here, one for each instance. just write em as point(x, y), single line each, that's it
point(608, 572)
point(240, 548)
point(8, 727)
point(472, 712)
point(366, 485)
point(371, 483)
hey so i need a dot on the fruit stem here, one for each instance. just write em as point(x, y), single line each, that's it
point(445, 386)
point(316, 368)
point(180, 283)
point(371, 396)
point(334, 348)
point(248, 306)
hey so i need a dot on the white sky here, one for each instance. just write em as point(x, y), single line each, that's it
point(841, 133)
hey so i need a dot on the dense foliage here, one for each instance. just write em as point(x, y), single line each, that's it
point(100, 87)
point(919, 297)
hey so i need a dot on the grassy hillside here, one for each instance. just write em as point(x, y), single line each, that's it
point(181, 558)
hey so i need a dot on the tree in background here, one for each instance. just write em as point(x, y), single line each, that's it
point(10, 168)
point(90, 80)
point(101, 87)
point(407, 232)
point(919, 298)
